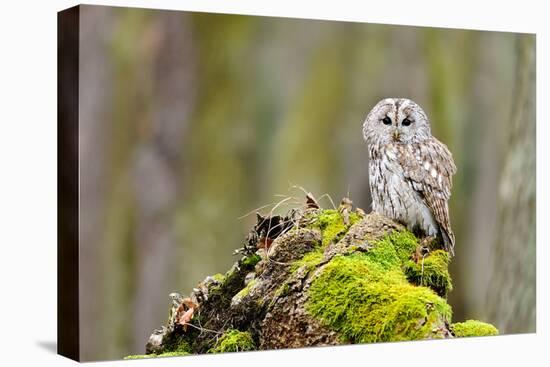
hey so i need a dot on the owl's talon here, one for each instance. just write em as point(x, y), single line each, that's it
point(423, 249)
point(427, 242)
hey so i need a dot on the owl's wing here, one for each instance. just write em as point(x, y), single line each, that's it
point(429, 167)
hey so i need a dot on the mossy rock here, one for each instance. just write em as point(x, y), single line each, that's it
point(252, 260)
point(332, 225)
point(366, 301)
point(234, 341)
point(473, 328)
point(162, 355)
point(335, 277)
point(141, 356)
point(173, 348)
point(431, 271)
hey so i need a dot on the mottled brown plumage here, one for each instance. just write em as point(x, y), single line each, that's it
point(410, 171)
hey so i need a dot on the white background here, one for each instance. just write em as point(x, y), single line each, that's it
point(28, 182)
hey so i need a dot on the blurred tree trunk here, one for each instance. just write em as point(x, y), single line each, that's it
point(95, 93)
point(450, 78)
point(156, 172)
point(483, 144)
point(216, 155)
point(116, 248)
point(314, 113)
point(153, 62)
point(511, 298)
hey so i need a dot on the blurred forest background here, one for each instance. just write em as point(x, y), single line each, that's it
point(190, 120)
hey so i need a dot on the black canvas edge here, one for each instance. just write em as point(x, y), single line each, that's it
point(68, 325)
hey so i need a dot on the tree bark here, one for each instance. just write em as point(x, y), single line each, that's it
point(512, 294)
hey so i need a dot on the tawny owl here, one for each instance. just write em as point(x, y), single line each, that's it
point(410, 171)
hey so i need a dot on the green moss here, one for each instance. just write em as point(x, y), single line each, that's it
point(367, 297)
point(246, 290)
point(177, 346)
point(393, 249)
point(370, 301)
point(282, 291)
point(384, 254)
point(173, 354)
point(180, 345)
point(165, 354)
point(431, 272)
point(473, 328)
point(233, 282)
point(404, 243)
point(141, 356)
point(174, 346)
point(309, 260)
point(218, 277)
point(250, 261)
point(332, 226)
point(354, 218)
point(234, 341)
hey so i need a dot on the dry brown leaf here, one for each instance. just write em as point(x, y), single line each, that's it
point(265, 243)
point(184, 319)
point(311, 203)
point(189, 303)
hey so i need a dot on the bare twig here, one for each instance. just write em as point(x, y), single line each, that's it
point(330, 199)
point(255, 210)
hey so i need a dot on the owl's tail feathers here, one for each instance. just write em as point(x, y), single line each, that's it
point(448, 241)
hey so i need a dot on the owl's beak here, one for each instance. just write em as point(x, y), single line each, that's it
point(396, 134)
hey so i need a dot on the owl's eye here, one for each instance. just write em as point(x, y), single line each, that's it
point(406, 122)
point(386, 120)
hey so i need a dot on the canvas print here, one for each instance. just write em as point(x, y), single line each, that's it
point(233, 183)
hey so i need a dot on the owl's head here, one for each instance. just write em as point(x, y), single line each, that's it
point(397, 120)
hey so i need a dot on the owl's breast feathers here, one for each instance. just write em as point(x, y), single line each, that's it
point(424, 168)
point(428, 166)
